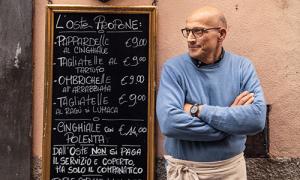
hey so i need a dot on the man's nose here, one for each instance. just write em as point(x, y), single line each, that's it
point(191, 37)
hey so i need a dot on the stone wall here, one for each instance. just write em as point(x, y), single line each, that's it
point(15, 89)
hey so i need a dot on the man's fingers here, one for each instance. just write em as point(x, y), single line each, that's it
point(250, 101)
point(245, 99)
point(239, 97)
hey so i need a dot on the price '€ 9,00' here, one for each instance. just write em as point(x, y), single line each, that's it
point(132, 79)
point(135, 42)
point(134, 61)
point(132, 99)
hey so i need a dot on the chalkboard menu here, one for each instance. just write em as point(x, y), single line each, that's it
point(99, 103)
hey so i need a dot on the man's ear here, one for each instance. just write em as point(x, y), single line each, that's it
point(222, 34)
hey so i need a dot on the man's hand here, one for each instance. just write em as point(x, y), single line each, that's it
point(243, 99)
point(187, 107)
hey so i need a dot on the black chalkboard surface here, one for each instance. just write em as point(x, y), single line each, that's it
point(99, 104)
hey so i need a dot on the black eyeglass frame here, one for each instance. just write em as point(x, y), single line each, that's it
point(202, 30)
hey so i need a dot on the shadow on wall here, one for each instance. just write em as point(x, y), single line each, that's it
point(257, 146)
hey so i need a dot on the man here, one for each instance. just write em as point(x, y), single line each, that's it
point(208, 101)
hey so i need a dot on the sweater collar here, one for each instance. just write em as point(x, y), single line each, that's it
point(200, 63)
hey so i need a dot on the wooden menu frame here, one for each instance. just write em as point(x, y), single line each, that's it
point(50, 78)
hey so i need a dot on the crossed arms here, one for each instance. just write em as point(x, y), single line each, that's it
point(245, 116)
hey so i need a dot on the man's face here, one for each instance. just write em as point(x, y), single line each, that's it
point(205, 46)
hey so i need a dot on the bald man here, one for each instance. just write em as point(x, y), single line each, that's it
point(209, 99)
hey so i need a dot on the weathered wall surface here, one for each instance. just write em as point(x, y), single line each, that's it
point(15, 88)
point(266, 31)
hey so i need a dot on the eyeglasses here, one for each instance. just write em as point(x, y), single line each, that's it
point(197, 32)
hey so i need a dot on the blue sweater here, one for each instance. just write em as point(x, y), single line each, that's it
point(220, 131)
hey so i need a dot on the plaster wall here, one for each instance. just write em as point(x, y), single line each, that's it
point(266, 31)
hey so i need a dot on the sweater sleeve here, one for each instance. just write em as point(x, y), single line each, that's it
point(245, 119)
point(173, 121)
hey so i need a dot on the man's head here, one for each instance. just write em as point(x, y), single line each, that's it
point(205, 31)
